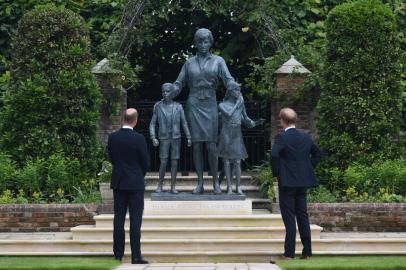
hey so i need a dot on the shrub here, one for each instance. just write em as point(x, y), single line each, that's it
point(64, 175)
point(104, 175)
point(21, 198)
point(320, 195)
point(360, 99)
point(31, 177)
point(8, 172)
point(263, 176)
point(383, 196)
point(7, 197)
point(389, 175)
point(88, 194)
point(332, 178)
point(54, 179)
point(53, 102)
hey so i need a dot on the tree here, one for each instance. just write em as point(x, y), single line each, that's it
point(360, 99)
point(53, 100)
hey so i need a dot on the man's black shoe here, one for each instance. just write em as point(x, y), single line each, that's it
point(139, 261)
point(118, 258)
point(280, 258)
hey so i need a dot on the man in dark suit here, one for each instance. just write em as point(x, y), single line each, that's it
point(129, 155)
point(294, 157)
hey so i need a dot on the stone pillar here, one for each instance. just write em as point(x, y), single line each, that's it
point(289, 78)
point(115, 99)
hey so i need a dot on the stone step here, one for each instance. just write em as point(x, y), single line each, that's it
point(257, 219)
point(88, 232)
point(163, 249)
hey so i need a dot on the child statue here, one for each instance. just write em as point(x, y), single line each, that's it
point(171, 117)
point(231, 146)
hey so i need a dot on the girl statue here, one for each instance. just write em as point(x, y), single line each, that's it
point(231, 146)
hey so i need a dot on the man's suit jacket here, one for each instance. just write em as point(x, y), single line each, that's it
point(129, 155)
point(294, 157)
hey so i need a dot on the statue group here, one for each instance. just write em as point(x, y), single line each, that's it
point(202, 74)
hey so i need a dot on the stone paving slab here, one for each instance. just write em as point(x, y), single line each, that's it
point(199, 266)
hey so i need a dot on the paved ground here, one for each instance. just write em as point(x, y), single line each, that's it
point(199, 266)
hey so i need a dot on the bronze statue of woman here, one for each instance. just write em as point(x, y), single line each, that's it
point(202, 73)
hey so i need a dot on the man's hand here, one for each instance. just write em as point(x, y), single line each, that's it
point(189, 142)
point(277, 179)
point(155, 142)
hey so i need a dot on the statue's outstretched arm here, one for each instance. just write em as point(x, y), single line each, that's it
point(248, 122)
point(180, 81)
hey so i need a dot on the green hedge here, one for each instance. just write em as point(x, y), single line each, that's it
point(360, 100)
point(53, 102)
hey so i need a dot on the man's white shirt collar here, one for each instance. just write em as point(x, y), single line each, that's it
point(127, 127)
point(286, 129)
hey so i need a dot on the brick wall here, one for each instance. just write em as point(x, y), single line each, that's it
point(45, 217)
point(363, 217)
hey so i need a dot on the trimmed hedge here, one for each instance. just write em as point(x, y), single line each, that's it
point(360, 100)
point(53, 103)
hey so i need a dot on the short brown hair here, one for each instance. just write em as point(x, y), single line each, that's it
point(288, 116)
point(130, 116)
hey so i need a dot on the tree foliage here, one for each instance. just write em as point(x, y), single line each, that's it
point(360, 102)
point(273, 30)
point(53, 100)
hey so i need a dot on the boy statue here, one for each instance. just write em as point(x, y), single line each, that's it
point(171, 117)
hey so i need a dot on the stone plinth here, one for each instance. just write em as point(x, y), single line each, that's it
point(152, 208)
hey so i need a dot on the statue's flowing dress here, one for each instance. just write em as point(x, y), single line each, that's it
point(231, 143)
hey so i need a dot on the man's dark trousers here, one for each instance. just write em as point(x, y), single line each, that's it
point(134, 201)
point(292, 202)
point(294, 157)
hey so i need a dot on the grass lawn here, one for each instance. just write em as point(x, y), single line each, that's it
point(57, 263)
point(347, 263)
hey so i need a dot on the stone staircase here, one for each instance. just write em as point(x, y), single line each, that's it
point(207, 235)
point(199, 238)
point(187, 183)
